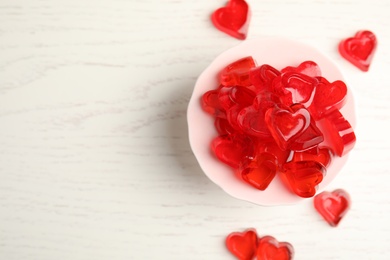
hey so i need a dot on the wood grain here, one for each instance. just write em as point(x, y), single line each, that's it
point(94, 155)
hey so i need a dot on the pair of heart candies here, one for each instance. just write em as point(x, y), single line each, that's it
point(285, 122)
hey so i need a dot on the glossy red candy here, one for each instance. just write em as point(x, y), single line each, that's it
point(242, 244)
point(270, 249)
point(286, 126)
point(309, 68)
point(322, 155)
point(332, 205)
point(231, 150)
point(251, 119)
point(236, 95)
point(328, 97)
point(339, 132)
point(311, 137)
point(260, 171)
point(223, 126)
point(294, 87)
point(303, 177)
point(360, 49)
point(233, 19)
point(210, 103)
point(262, 77)
point(271, 122)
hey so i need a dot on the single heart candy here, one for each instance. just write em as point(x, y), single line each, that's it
point(262, 77)
point(210, 104)
point(237, 73)
point(309, 68)
point(260, 171)
point(286, 126)
point(322, 155)
point(235, 95)
point(242, 244)
point(294, 87)
point(303, 177)
point(311, 137)
point(360, 49)
point(339, 132)
point(223, 127)
point(231, 150)
point(328, 97)
point(270, 249)
point(332, 205)
point(233, 19)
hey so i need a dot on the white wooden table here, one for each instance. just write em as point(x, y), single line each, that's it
point(94, 155)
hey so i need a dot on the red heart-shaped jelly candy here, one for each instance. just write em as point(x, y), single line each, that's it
point(332, 205)
point(294, 87)
point(359, 50)
point(286, 126)
point(260, 171)
point(242, 244)
point(236, 95)
point(310, 138)
point(328, 97)
point(223, 127)
point(270, 249)
point(237, 73)
point(233, 19)
point(339, 132)
point(323, 155)
point(232, 149)
point(309, 68)
point(210, 104)
point(303, 177)
point(262, 77)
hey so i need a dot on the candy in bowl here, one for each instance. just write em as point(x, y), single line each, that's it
point(271, 121)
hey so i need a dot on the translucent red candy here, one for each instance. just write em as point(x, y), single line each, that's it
point(360, 49)
point(247, 246)
point(332, 205)
point(270, 249)
point(243, 245)
point(273, 122)
point(233, 19)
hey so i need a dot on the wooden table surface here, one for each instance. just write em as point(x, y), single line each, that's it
point(95, 161)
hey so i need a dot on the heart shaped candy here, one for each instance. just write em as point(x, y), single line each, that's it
point(270, 249)
point(286, 126)
point(332, 205)
point(262, 77)
point(237, 73)
point(242, 244)
point(260, 171)
point(328, 97)
point(339, 132)
point(294, 87)
point(323, 155)
point(360, 49)
point(309, 68)
point(231, 150)
point(303, 177)
point(233, 19)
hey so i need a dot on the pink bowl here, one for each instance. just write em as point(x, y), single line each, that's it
point(279, 53)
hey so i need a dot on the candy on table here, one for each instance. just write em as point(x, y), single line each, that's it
point(360, 49)
point(332, 205)
point(233, 19)
point(248, 246)
point(243, 245)
point(274, 122)
point(271, 249)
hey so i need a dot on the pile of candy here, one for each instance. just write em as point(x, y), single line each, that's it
point(284, 122)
